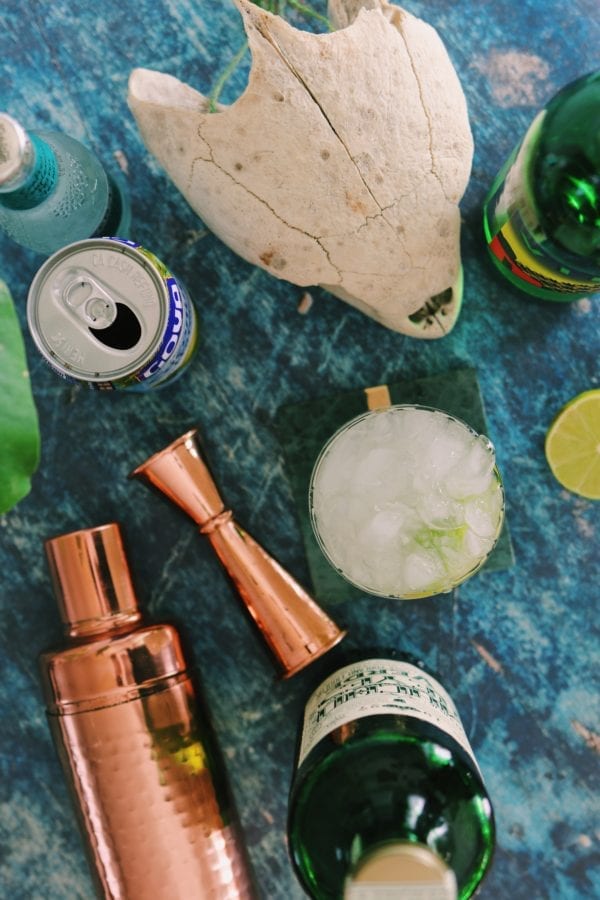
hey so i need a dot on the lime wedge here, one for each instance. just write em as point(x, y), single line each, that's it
point(573, 445)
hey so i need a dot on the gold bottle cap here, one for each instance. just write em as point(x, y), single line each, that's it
point(91, 580)
point(406, 865)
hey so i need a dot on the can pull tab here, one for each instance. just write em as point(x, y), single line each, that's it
point(87, 300)
point(111, 322)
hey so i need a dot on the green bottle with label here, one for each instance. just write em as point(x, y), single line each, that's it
point(387, 799)
point(542, 214)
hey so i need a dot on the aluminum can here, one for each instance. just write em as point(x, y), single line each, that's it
point(108, 313)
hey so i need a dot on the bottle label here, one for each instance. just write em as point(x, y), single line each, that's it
point(379, 687)
point(41, 181)
point(520, 244)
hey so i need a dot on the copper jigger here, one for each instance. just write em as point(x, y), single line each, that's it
point(295, 628)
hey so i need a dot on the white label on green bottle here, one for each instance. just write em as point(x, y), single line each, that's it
point(379, 687)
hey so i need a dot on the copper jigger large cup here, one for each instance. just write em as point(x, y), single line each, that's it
point(294, 627)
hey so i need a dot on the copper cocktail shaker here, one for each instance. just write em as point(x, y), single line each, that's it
point(147, 780)
point(295, 628)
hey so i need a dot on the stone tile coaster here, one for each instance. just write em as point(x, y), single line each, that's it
point(303, 429)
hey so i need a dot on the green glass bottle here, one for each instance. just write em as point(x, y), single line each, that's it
point(387, 799)
point(542, 215)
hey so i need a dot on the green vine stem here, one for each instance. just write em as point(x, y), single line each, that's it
point(224, 77)
point(308, 12)
point(277, 7)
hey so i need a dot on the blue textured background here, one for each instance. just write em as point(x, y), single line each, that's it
point(517, 649)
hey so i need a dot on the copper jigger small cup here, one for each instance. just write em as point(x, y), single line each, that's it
point(295, 628)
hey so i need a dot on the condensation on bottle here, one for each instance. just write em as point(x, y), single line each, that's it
point(54, 191)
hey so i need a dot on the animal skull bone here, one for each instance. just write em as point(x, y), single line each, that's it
point(342, 163)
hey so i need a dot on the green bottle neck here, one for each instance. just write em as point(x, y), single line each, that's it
point(399, 869)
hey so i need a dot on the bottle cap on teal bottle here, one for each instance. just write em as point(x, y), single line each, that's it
point(399, 867)
point(16, 151)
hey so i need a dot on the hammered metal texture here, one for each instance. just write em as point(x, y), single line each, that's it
point(157, 818)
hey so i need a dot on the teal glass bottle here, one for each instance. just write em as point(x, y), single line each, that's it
point(54, 191)
point(387, 799)
point(542, 214)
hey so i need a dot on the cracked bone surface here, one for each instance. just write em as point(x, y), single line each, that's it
point(341, 164)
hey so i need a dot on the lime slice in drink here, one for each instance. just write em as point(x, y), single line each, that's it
point(573, 445)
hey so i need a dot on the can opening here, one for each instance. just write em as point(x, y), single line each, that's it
point(124, 331)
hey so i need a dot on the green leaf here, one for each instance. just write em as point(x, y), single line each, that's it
point(19, 429)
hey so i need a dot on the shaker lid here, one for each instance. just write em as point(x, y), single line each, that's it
point(402, 864)
point(91, 580)
point(15, 150)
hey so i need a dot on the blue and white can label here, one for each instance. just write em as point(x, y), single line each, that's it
point(179, 339)
point(181, 332)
